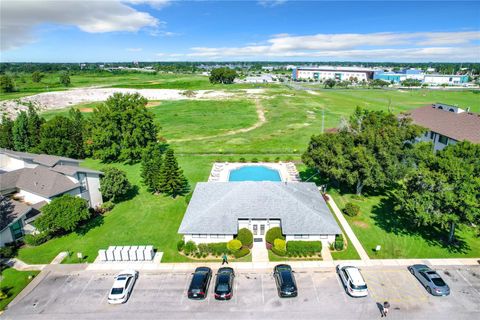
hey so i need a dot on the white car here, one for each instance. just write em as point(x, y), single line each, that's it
point(122, 287)
point(352, 280)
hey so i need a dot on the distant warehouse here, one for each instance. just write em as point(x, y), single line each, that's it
point(335, 73)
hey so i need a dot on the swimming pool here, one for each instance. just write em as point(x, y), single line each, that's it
point(254, 173)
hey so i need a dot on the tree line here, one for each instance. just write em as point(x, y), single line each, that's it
point(376, 151)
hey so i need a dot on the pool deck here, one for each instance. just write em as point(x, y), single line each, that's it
point(221, 170)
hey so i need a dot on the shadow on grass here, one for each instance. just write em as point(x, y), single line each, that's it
point(387, 219)
point(91, 224)
point(131, 193)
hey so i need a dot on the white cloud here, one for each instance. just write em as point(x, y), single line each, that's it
point(271, 3)
point(438, 46)
point(20, 17)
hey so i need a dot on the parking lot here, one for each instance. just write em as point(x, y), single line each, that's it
point(83, 295)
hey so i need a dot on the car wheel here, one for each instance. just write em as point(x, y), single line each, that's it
point(429, 290)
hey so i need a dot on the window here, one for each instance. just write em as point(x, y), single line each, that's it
point(443, 139)
point(82, 177)
point(262, 229)
point(432, 135)
point(199, 235)
point(255, 229)
point(301, 236)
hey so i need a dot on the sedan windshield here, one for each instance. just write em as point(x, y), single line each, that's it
point(117, 290)
point(438, 282)
point(359, 287)
point(222, 287)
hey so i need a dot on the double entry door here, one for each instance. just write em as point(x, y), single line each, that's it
point(258, 230)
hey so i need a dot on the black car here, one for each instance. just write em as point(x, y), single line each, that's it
point(285, 280)
point(224, 284)
point(198, 288)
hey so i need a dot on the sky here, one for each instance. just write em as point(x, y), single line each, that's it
point(276, 30)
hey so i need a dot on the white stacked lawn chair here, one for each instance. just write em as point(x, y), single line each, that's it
point(124, 253)
point(149, 253)
point(132, 253)
point(102, 254)
point(141, 253)
point(110, 253)
point(117, 253)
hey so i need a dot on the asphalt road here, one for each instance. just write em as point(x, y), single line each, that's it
point(83, 295)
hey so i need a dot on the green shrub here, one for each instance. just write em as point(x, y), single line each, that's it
point(105, 207)
point(277, 159)
point(266, 159)
point(37, 239)
point(242, 252)
point(217, 249)
point(339, 243)
point(9, 251)
point(242, 159)
point(274, 233)
point(279, 247)
point(234, 245)
point(351, 209)
point(254, 160)
point(245, 236)
point(180, 245)
point(304, 248)
point(190, 247)
point(203, 248)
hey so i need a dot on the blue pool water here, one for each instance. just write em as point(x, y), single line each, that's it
point(254, 173)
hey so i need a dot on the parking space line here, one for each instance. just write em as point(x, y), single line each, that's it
point(314, 287)
point(84, 288)
point(337, 276)
point(263, 295)
point(57, 292)
point(185, 289)
point(469, 283)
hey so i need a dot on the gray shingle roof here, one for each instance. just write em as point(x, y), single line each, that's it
point(71, 170)
point(50, 161)
point(215, 207)
point(14, 211)
point(44, 182)
point(8, 180)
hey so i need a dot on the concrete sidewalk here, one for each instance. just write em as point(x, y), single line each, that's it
point(348, 230)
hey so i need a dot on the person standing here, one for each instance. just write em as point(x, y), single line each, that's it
point(224, 259)
point(386, 306)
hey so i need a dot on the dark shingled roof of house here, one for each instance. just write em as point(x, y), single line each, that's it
point(458, 126)
point(216, 207)
point(43, 159)
point(15, 210)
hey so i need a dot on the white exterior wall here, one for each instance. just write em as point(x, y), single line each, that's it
point(437, 145)
point(93, 181)
point(433, 79)
point(5, 236)
point(324, 238)
point(8, 163)
point(330, 74)
point(207, 238)
point(31, 197)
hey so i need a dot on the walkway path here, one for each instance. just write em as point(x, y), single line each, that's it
point(259, 252)
point(348, 230)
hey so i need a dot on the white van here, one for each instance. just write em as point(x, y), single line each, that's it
point(352, 280)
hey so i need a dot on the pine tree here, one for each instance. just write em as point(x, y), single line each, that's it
point(34, 124)
point(20, 132)
point(152, 160)
point(6, 134)
point(172, 181)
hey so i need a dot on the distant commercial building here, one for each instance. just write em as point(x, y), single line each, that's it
point(432, 79)
point(335, 73)
point(446, 124)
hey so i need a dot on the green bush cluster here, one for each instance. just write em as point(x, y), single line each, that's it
point(274, 233)
point(105, 207)
point(339, 243)
point(245, 236)
point(190, 248)
point(180, 245)
point(351, 209)
point(242, 159)
point(242, 252)
point(36, 239)
point(9, 251)
point(255, 160)
point(234, 245)
point(279, 247)
point(303, 248)
point(202, 250)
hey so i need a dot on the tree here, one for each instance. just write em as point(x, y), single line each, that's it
point(152, 165)
point(444, 190)
point(172, 181)
point(37, 76)
point(78, 132)
point(6, 133)
point(121, 128)
point(65, 78)
point(6, 83)
point(6, 212)
point(223, 75)
point(63, 214)
point(379, 83)
point(329, 83)
point(114, 184)
point(368, 151)
point(34, 126)
point(59, 136)
point(21, 139)
point(411, 83)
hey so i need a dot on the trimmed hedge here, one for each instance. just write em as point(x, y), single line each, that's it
point(304, 248)
point(242, 252)
point(339, 243)
point(279, 247)
point(36, 239)
point(274, 233)
point(245, 236)
point(351, 209)
point(190, 248)
point(234, 245)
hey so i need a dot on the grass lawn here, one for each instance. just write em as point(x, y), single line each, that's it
point(376, 225)
point(12, 284)
point(350, 253)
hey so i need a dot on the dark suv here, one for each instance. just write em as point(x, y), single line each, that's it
point(200, 281)
point(224, 284)
point(285, 280)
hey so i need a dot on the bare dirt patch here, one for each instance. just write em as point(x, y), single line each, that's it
point(361, 224)
point(85, 109)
